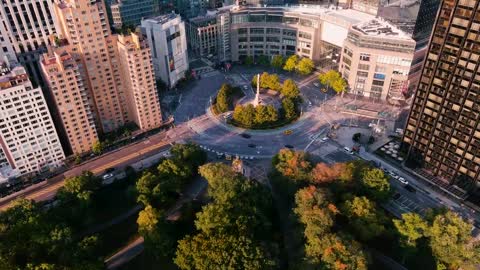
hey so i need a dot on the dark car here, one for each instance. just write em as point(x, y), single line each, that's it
point(245, 135)
point(251, 145)
point(410, 188)
point(109, 170)
point(289, 146)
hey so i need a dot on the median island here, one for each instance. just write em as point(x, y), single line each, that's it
point(274, 105)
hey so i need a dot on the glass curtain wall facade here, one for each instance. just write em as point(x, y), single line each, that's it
point(442, 136)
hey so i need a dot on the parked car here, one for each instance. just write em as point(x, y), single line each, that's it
point(348, 150)
point(393, 175)
point(289, 146)
point(107, 176)
point(402, 180)
point(324, 139)
point(316, 84)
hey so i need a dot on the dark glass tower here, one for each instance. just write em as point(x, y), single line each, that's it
point(442, 136)
point(425, 20)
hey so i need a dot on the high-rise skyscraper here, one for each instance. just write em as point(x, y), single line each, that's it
point(131, 12)
point(85, 26)
point(72, 105)
point(24, 31)
point(99, 81)
point(138, 80)
point(28, 139)
point(443, 133)
point(168, 42)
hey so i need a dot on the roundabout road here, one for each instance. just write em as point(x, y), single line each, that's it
point(195, 121)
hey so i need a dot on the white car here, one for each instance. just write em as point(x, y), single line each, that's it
point(348, 150)
point(402, 180)
point(107, 176)
point(393, 175)
point(316, 84)
point(324, 139)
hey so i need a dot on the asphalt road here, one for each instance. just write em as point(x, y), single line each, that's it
point(194, 122)
point(118, 159)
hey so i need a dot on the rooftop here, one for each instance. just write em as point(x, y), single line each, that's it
point(162, 18)
point(380, 28)
point(16, 76)
point(348, 15)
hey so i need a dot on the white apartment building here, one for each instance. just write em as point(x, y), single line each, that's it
point(25, 27)
point(168, 42)
point(28, 140)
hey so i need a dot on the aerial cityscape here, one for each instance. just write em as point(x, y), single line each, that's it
point(246, 134)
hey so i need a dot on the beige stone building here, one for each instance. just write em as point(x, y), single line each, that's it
point(71, 97)
point(138, 81)
point(106, 80)
point(376, 60)
point(84, 25)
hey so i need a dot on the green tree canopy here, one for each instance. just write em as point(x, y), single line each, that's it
point(156, 233)
point(267, 81)
point(189, 153)
point(221, 251)
point(364, 218)
point(376, 184)
point(277, 61)
point(305, 66)
point(97, 147)
point(32, 238)
point(79, 187)
point(289, 110)
point(244, 115)
point(263, 60)
point(272, 114)
point(291, 63)
point(224, 98)
point(219, 177)
point(292, 164)
point(290, 89)
point(333, 79)
point(152, 190)
point(232, 228)
point(338, 252)
point(411, 228)
point(248, 61)
point(451, 242)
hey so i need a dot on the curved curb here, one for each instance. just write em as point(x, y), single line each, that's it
point(275, 131)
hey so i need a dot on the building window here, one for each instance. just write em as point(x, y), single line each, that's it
point(378, 83)
point(363, 67)
point(365, 57)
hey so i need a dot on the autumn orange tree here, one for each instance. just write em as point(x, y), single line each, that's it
point(292, 164)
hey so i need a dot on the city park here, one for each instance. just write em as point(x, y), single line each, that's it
point(275, 104)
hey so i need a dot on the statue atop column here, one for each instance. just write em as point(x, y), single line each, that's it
point(256, 101)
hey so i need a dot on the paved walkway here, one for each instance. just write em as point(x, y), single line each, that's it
point(126, 254)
